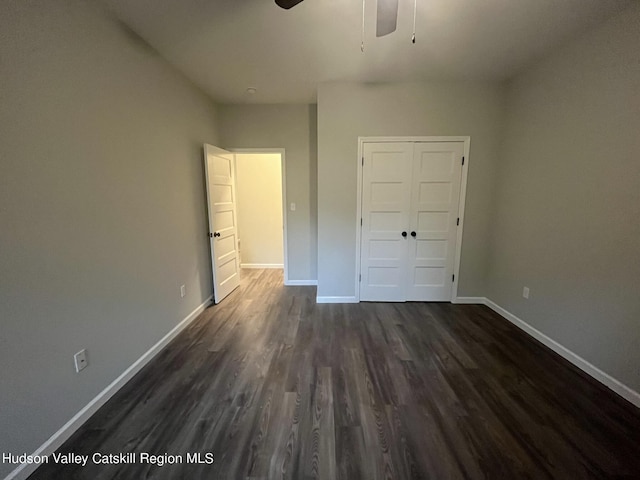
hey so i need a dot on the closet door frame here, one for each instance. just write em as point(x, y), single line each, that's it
point(466, 140)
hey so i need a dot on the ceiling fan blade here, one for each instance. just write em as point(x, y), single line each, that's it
point(287, 4)
point(386, 17)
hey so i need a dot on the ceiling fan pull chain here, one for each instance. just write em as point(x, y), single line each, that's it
point(362, 44)
point(415, 8)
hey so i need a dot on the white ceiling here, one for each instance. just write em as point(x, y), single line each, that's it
point(225, 46)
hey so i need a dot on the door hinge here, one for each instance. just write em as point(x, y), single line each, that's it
point(458, 221)
point(462, 160)
point(360, 278)
point(453, 278)
point(363, 161)
point(360, 221)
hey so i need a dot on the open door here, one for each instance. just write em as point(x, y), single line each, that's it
point(223, 225)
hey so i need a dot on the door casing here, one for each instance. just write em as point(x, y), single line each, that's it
point(463, 190)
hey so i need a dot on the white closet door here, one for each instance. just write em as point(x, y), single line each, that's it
point(386, 200)
point(435, 196)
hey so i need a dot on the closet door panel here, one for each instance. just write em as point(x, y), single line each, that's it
point(386, 198)
point(435, 193)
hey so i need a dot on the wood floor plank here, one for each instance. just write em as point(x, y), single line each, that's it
point(276, 386)
point(351, 454)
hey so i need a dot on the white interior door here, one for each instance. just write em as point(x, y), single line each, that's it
point(223, 229)
point(435, 196)
point(386, 200)
point(410, 200)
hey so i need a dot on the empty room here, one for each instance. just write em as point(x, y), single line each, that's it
point(319, 239)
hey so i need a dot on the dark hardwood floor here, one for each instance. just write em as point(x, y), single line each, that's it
point(276, 386)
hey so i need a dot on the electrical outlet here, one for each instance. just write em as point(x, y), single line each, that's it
point(293, 207)
point(525, 292)
point(80, 360)
point(183, 291)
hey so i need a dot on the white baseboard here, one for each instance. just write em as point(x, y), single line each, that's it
point(261, 265)
point(470, 300)
point(336, 300)
point(57, 439)
point(304, 283)
point(604, 378)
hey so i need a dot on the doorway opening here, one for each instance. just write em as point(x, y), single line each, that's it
point(260, 196)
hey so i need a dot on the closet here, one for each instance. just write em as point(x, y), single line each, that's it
point(410, 219)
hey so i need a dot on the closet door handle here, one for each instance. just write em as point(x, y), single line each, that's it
point(216, 234)
point(413, 234)
point(404, 234)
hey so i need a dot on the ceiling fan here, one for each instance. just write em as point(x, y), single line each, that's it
point(386, 15)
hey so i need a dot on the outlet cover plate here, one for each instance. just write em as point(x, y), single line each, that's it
point(80, 360)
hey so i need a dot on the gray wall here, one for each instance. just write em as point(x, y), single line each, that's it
point(292, 127)
point(346, 111)
point(102, 209)
point(567, 222)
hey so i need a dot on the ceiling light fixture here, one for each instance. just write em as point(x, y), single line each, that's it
point(252, 90)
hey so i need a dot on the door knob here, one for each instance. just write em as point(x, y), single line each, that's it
point(216, 234)
point(413, 234)
point(404, 234)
